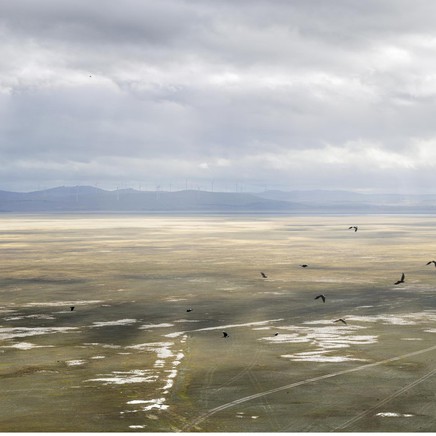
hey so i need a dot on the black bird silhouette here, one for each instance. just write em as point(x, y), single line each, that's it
point(275, 334)
point(72, 308)
point(432, 261)
point(353, 227)
point(341, 320)
point(321, 296)
point(264, 275)
point(225, 335)
point(188, 310)
point(304, 266)
point(401, 280)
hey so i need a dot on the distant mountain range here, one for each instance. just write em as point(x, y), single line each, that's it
point(90, 199)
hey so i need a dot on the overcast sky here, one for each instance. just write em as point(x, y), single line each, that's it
point(223, 94)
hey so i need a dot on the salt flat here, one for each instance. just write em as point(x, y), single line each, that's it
point(131, 358)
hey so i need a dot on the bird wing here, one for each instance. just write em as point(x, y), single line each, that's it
point(403, 277)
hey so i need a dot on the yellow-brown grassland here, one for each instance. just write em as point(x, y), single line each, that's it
point(131, 357)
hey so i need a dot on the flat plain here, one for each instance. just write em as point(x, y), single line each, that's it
point(130, 357)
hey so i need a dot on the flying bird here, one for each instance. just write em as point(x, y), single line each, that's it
point(432, 261)
point(353, 227)
point(72, 308)
point(264, 275)
point(401, 280)
point(225, 335)
point(304, 266)
point(341, 320)
point(275, 334)
point(321, 296)
point(189, 310)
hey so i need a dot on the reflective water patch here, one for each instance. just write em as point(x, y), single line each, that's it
point(154, 326)
point(125, 377)
point(248, 324)
point(26, 346)
point(62, 303)
point(75, 362)
point(320, 357)
point(156, 403)
point(22, 332)
point(325, 338)
point(126, 321)
point(394, 415)
point(162, 349)
point(19, 317)
point(97, 344)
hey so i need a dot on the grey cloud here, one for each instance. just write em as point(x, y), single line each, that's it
point(270, 92)
point(103, 20)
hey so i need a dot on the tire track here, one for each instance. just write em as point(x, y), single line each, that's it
point(215, 410)
point(265, 403)
point(209, 376)
point(241, 373)
point(384, 401)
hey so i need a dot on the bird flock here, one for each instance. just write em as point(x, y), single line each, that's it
point(321, 296)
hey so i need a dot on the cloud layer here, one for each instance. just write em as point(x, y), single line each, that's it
point(253, 94)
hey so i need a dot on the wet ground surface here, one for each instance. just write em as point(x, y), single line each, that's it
point(130, 357)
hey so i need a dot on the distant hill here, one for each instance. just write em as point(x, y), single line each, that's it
point(91, 199)
point(85, 198)
point(352, 202)
point(343, 197)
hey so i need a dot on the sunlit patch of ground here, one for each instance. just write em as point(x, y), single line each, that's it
point(130, 357)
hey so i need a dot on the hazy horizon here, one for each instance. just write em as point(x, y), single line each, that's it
point(229, 188)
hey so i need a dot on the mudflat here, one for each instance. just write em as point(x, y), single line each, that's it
point(131, 357)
